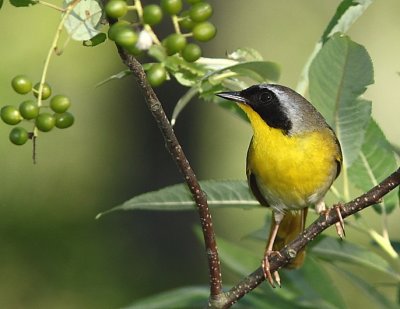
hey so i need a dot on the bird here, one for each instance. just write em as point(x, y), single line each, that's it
point(293, 158)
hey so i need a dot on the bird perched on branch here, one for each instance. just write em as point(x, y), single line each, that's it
point(293, 159)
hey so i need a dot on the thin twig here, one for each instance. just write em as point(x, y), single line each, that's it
point(179, 157)
point(51, 5)
point(372, 197)
point(50, 53)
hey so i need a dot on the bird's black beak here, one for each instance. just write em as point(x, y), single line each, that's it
point(233, 96)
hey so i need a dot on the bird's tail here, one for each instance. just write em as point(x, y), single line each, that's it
point(290, 227)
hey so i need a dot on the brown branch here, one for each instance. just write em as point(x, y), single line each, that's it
point(177, 154)
point(372, 197)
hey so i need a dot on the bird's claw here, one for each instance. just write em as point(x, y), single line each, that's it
point(340, 224)
point(267, 272)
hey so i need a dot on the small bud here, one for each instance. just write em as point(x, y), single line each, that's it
point(292, 253)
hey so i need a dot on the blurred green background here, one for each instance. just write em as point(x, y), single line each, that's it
point(53, 254)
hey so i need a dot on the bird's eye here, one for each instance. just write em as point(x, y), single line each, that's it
point(265, 97)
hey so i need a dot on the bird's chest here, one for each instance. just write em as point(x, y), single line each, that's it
point(291, 171)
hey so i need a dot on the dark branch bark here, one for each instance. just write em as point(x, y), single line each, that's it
point(177, 154)
point(372, 197)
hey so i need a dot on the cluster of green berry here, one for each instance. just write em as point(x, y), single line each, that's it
point(139, 36)
point(30, 111)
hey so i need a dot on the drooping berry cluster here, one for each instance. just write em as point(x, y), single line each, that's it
point(138, 36)
point(44, 118)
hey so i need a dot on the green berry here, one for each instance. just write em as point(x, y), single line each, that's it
point(114, 28)
point(172, 7)
point(156, 75)
point(204, 31)
point(10, 115)
point(185, 21)
point(29, 109)
point(18, 136)
point(64, 120)
point(45, 122)
point(46, 91)
point(201, 11)
point(21, 84)
point(60, 103)
point(174, 43)
point(193, 1)
point(125, 37)
point(116, 8)
point(152, 14)
point(191, 52)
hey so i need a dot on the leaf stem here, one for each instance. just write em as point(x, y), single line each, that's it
point(152, 34)
point(175, 23)
point(51, 5)
point(53, 48)
point(137, 5)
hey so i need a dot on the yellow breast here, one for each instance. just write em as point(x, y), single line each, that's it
point(291, 171)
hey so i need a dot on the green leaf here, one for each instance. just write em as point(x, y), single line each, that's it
point(1, 3)
point(187, 74)
point(157, 52)
point(119, 75)
point(220, 194)
point(19, 3)
point(96, 40)
point(375, 162)
point(333, 250)
point(83, 23)
point(242, 261)
point(346, 15)
point(245, 54)
point(259, 71)
point(271, 299)
point(368, 290)
point(339, 74)
point(185, 297)
point(314, 294)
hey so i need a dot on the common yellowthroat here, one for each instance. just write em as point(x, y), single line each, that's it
point(293, 159)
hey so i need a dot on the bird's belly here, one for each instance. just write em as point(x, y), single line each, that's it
point(293, 174)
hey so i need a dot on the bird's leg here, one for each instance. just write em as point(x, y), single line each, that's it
point(321, 209)
point(277, 218)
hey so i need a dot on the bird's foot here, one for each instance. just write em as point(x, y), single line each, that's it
point(340, 224)
point(267, 272)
